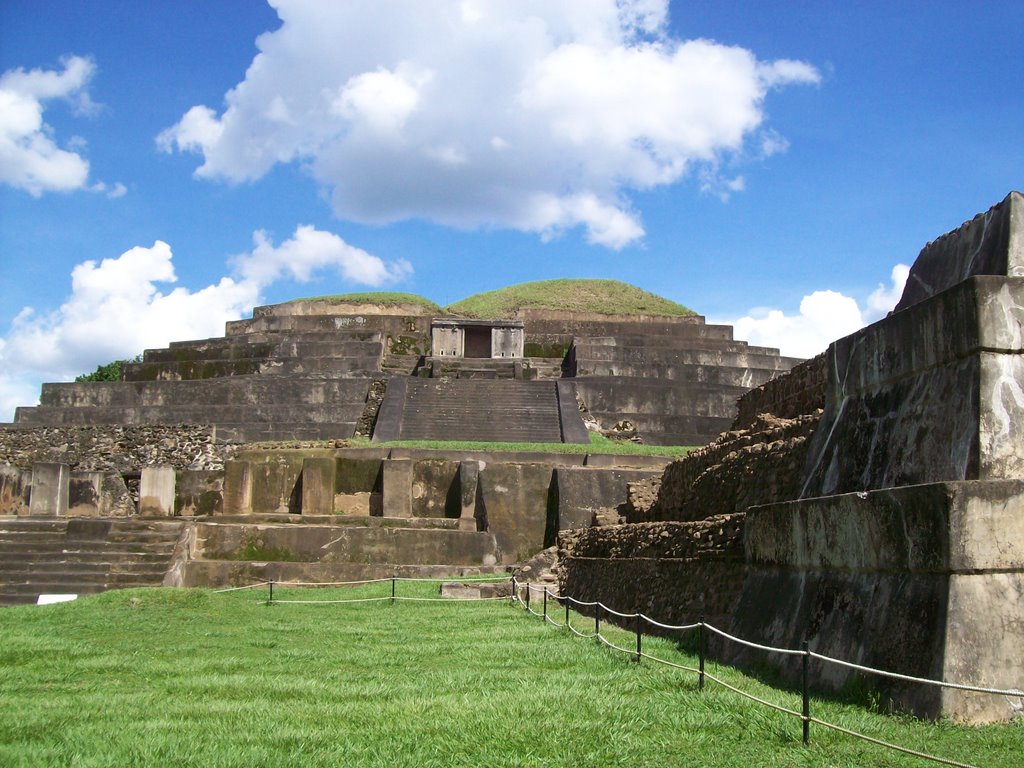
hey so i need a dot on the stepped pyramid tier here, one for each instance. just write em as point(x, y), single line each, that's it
point(317, 369)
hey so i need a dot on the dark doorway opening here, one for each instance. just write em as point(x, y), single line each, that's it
point(478, 341)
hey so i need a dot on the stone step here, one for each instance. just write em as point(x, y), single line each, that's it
point(81, 572)
point(285, 430)
point(340, 366)
point(638, 361)
point(341, 544)
point(366, 521)
point(277, 335)
point(106, 556)
point(269, 413)
point(236, 390)
point(243, 347)
point(224, 573)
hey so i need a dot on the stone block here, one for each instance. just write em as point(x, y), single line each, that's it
point(518, 504)
point(15, 490)
point(84, 492)
point(469, 485)
point(586, 491)
point(933, 393)
point(156, 491)
point(238, 487)
point(318, 482)
point(397, 498)
point(199, 492)
point(49, 490)
point(992, 243)
point(940, 567)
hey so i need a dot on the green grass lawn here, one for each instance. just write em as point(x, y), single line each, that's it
point(598, 444)
point(189, 677)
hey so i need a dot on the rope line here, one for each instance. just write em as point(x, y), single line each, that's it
point(236, 589)
point(770, 649)
point(668, 663)
point(912, 679)
point(616, 613)
point(751, 696)
point(681, 628)
point(897, 747)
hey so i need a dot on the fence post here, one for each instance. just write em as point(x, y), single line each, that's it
point(639, 646)
point(527, 595)
point(392, 590)
point(514, 587)
point(566, 599)
point(700, 653)
point(597, 619)
point(806, 694)
point(270, 599)
point(545, 603)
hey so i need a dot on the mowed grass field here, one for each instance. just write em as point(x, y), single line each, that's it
point(167, 677)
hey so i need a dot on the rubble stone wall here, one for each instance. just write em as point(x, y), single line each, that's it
point(110, 448)
point(793, 394)
point(673, 572)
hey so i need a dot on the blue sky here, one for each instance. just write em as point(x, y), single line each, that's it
point(768, 165)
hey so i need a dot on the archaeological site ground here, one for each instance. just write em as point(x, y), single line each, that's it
point(596, 440)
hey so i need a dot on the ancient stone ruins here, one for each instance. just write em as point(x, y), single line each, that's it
point(869, 501)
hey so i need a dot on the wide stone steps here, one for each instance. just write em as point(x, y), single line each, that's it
point(468, 409)
point(667, 343)
point(82, 555)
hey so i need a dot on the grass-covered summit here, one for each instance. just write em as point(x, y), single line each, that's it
point(379, 298)
point(602, 297)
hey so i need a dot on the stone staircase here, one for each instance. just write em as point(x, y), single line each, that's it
point(82, 556)
point(481, 410)
point(244, 549)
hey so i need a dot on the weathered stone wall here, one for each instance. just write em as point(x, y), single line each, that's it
point(757, 465)
point(672, 572)
point(113, 448)
point(798, 392)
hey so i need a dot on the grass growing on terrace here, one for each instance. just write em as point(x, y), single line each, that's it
point(191, 678)
point(598, 445)
point(603, 297)
point(380, 298)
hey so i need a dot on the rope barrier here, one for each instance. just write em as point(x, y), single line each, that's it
point(236, 589)
point(897, 747)
point(327, 583)
point(912, 679)
point(770, 649)
point(680, 628)
point(616, 613)
point(805, 716)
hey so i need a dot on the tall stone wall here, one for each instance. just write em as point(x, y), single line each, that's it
point(796, 393)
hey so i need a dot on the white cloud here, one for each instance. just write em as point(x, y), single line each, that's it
point(512, 113)
point(823, 317)
point(29, 158)
point(120, 306)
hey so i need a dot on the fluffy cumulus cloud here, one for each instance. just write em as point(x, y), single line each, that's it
point(527, 114)
point(121, 305)
point(823, 317)
point(30, 159)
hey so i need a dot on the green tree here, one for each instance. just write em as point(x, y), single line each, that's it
point(109, 372)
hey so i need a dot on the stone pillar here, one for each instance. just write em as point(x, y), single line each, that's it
point(397, 499)
point(156, 491)
point(15, 489)
point(318, 486)
point(469, 480)
point(49, 490)
point(237, 488)
point(85, 494)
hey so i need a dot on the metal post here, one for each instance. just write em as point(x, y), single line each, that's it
point(597, 619)
point(806, 694)
point(527, 595)
point(514, 587)
point(639, 646)
point(566, 610)
point(545, 603)
point(700, 652)
point(392, 590)
point(271, 598)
